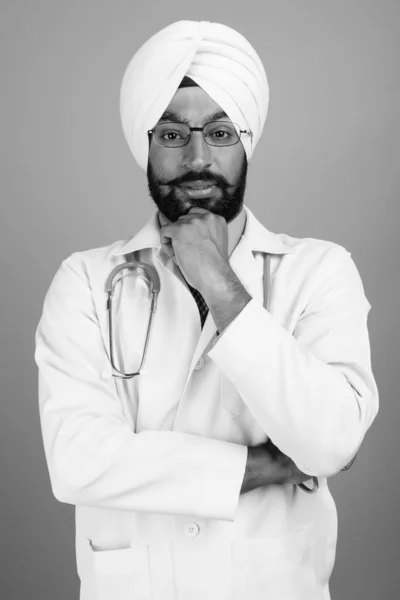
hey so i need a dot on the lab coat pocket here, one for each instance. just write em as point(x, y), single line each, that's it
point(277, 568)
point(122, 574)
point(231, 398)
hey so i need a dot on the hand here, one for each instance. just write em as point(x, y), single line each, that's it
point(292, 473)
point(198, 243)
point(267, 465)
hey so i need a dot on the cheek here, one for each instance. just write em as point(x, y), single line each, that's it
point(161, 163)
point(232, 165)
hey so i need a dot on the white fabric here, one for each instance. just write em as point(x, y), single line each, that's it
point(154, 465)
point(216, 57)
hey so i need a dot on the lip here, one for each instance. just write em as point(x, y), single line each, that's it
point(197, 184)
point(198, 192)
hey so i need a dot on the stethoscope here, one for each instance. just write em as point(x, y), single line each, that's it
point(152, 280)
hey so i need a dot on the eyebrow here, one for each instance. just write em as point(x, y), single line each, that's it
point(170, 115)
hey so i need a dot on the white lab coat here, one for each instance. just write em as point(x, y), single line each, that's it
point(154, 465)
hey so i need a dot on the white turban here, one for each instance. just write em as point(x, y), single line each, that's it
point(219, 59)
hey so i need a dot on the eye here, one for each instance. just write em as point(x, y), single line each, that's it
point(171, 132)
point(171, 135)
point(221, 131)
point(221, 134)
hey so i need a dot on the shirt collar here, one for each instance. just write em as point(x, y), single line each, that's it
point(255, 236)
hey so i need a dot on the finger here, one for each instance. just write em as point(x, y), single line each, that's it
point(166, 239)
point(187, 217)
point(168, 248)
point(165, 235)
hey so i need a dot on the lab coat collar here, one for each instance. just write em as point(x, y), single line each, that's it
point(255, 237)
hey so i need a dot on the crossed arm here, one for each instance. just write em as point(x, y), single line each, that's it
point(95, 459)
point(266, 464)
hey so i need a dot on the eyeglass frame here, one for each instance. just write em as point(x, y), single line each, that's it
point(151, 132)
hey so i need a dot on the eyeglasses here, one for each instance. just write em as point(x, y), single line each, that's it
point(215, 133)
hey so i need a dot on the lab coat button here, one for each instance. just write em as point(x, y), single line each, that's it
point(200, 363)
point(191, 530)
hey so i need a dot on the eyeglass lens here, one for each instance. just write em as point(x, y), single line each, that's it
point(217, 133)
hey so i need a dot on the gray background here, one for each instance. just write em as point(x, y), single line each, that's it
point(327, 166)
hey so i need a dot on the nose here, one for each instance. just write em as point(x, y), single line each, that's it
point(198, 154)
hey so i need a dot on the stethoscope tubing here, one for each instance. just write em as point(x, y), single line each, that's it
point(152, 280)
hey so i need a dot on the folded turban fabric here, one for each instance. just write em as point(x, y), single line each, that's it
point(219, 59)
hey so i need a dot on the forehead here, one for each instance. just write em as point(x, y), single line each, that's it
point(193, 104)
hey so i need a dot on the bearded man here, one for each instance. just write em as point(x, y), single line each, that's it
point(202, 472)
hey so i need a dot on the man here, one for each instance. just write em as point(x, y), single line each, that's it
point(205, 476)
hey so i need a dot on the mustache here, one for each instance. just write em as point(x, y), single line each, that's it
point(203, 176)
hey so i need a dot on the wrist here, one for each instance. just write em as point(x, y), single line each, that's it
point(220, 281)
point(265, 466)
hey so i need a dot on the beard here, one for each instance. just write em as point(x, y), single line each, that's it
point(228, 204)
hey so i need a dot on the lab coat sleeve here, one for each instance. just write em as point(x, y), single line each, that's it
point(311, 390)
point(93, 456)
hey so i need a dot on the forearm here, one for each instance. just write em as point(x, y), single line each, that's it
point(225, 297)
point(153, 471)
point(306, 378)
point(310, 409)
